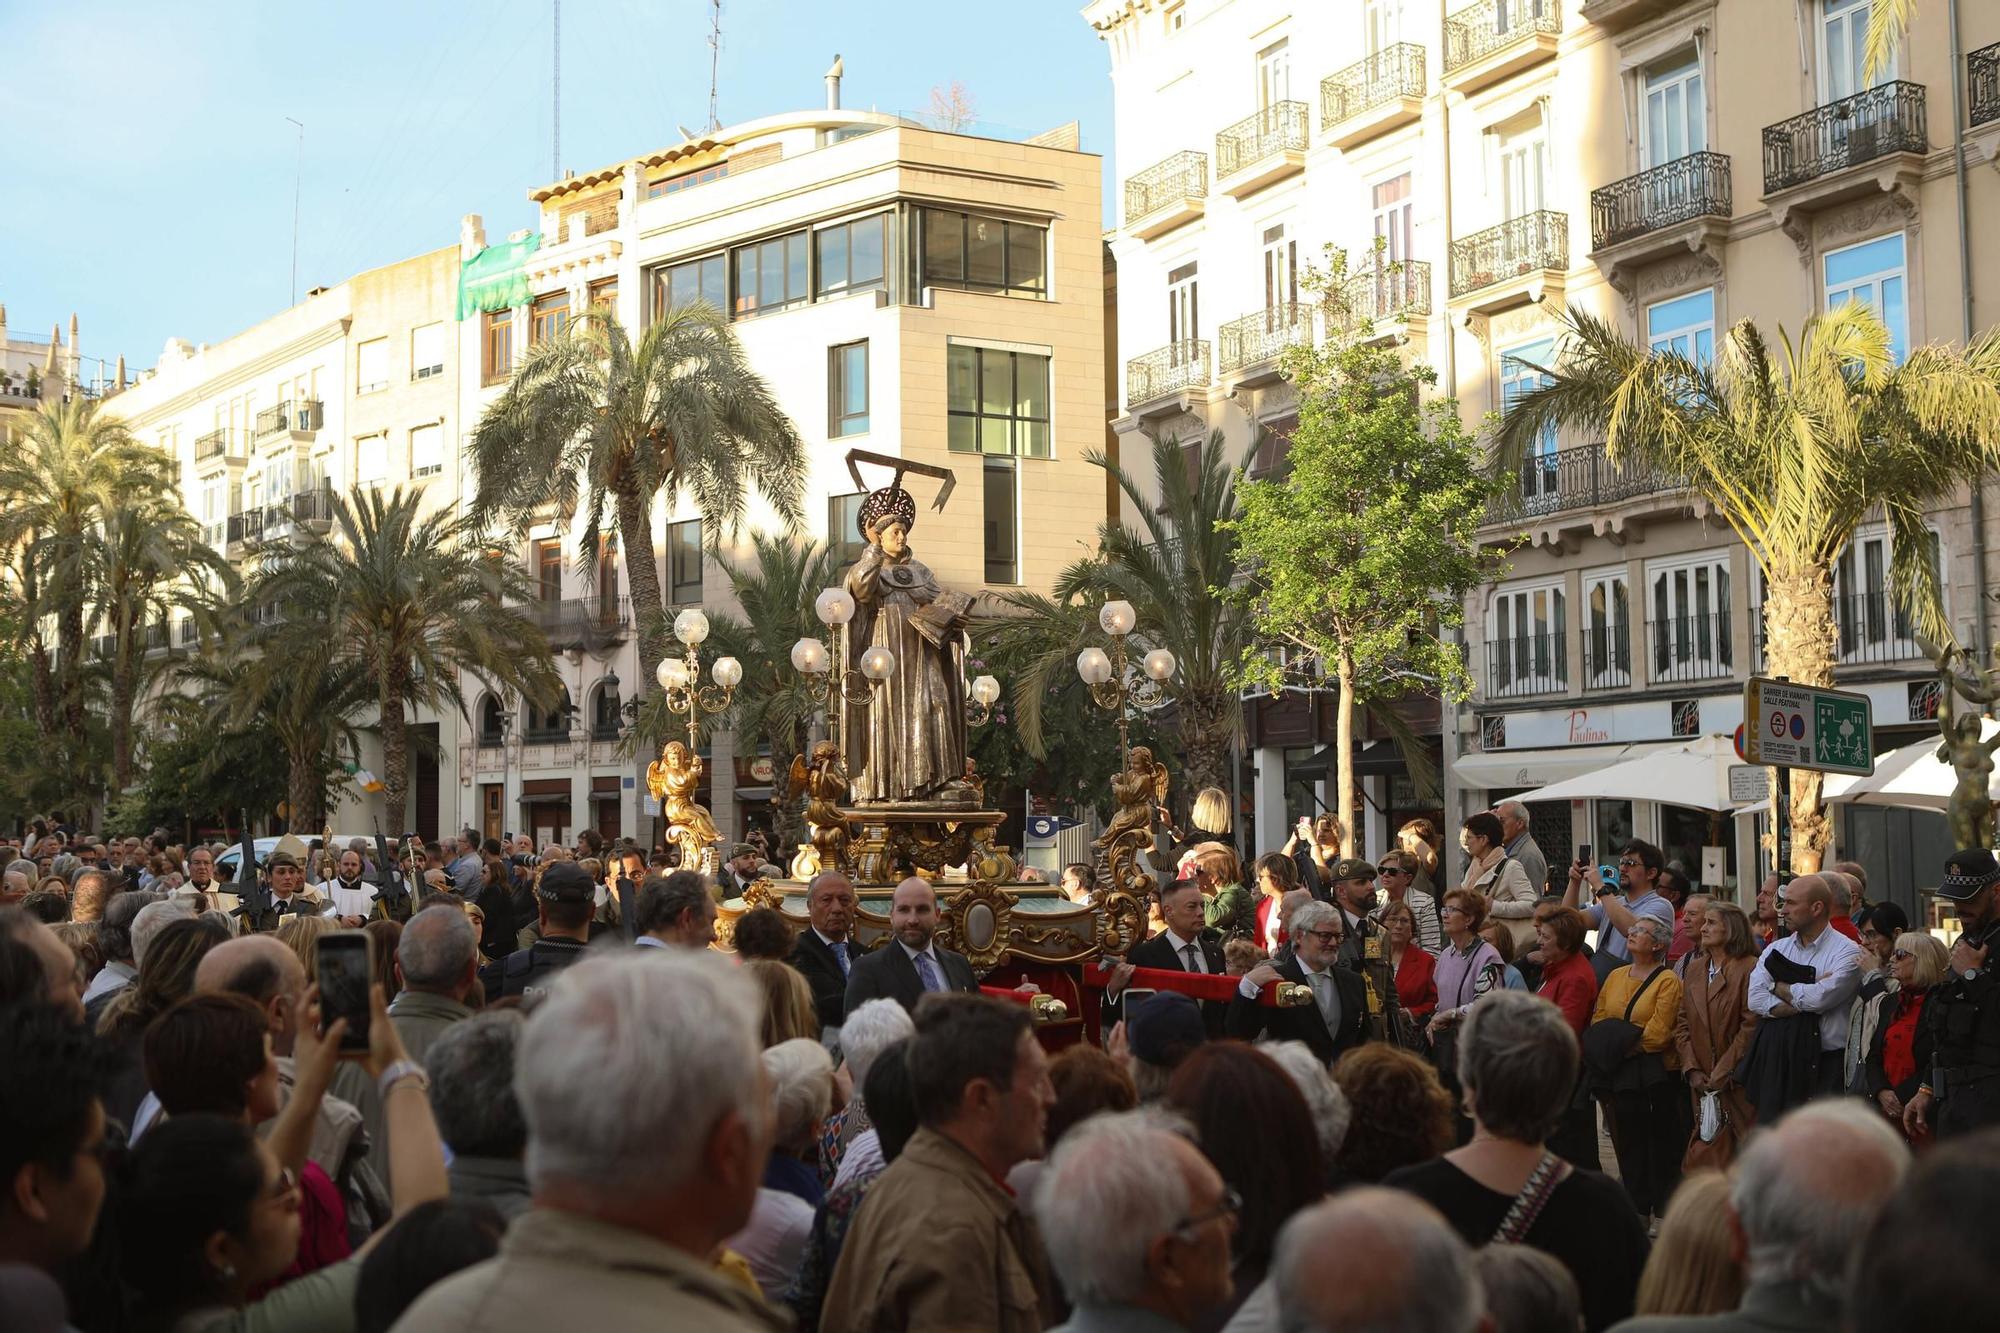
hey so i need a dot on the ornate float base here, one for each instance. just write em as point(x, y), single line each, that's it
point(887, 843)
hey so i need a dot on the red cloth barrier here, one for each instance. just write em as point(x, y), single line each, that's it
point(1199, 985)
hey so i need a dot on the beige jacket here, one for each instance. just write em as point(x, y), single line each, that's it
point(1510, 899)
point(559, 1271)
point(940, 1245)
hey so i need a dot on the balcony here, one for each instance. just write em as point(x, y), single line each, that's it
point(583, 622)
point(1873, 629)
point(1871, 142)
point(1697, 646)
point(1156, 383)
point(1695, 186)
point(246, 527)
point(222, 443)
point(1489, 41)
point(1512, 263)
point(1373, 96)
point(313, 508)
point(1262, 149)
point(1524, 664)
point(1571, 480)
point(1982, 70)
point(1607, 656)
point(302, 419)
point(1250, 347)
point(1389, 295)
point(1166, 195)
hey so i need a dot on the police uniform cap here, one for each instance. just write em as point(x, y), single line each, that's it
point(1966, 873)
point(566, 882)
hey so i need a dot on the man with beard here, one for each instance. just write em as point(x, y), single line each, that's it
point(352, 897)
point(1354, 895)
point(822, 952)
point(911, 966)
point(1962, 1093)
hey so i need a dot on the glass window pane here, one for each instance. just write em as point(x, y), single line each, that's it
point(746, 280)
point(1000, 523)
point(993, 436)
point(962, 379)
point(1031, 387)
point(944, 247)
point(996, 382)
point(770, 273)
point(1034, 436)
point(795, 266)
point(984, 256)
point(1894, 317)
point(1024, 257)
point(1843, 267)
point(866, 249)
point(833, 259)
point(713, 289)
point(962, 434)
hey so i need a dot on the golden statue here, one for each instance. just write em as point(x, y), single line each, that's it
point(672, 779)
point(1138, 791)
point(823, 783)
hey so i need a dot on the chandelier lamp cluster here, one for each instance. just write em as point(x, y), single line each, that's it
point(680, 677)
point(1113, 684)
point(815, 662)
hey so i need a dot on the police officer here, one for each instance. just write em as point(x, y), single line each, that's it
point(1963, 1014)
point(564, 901)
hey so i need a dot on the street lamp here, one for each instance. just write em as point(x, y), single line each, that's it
point(1112, 685)
point(983, 692)
point(680, 677)
point(817, 663)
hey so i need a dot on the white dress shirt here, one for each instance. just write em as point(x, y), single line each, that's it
point(1195, 962)
point(1836, 962)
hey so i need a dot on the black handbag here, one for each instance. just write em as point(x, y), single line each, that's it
point(1611, 1055)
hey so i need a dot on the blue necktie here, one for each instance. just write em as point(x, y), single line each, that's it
point(928, 972)
point(840, 955)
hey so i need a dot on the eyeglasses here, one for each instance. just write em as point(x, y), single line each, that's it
point(1327, 936)
point(1452, 907)
point(1902, 953)
point(1230, 1205)
point(1627, 862)
point(1391, 870)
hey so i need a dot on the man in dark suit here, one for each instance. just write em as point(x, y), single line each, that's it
point(1336, 1021)
point(823, 953)
point(910, 965)
point(1184, 946)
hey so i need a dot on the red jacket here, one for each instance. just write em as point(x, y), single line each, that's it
point(1572, 986)
point(1845, 926)
point(1416, 983)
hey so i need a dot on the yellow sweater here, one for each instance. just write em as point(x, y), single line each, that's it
point(1655, 1013)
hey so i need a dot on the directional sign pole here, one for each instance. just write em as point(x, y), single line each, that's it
point(1781, 811)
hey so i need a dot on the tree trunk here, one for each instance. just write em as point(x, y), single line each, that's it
point(122, 672)
point(1204, 720)
point(649, 608)
point(305, 795)
point(1343, 750)
point(395, 755)
point(1799, 645)
point(45, 691)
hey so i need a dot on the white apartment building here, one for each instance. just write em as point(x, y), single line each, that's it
point(1675, 165)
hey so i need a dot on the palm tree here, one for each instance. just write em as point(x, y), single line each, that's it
point(414, 601)
point(1170, 569)
point(155, 561)
point(593, 421)
point(1792, 447)
point(776, 593)
point(1888, 20)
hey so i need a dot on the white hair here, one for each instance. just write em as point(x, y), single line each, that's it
point(801, 1074)
point(436, 946)
point(1402, 1269)
point(1330, 1109)
point(1801, 1219)
point(1654, 929)
point(1109, 1189)
point(871, 1028)
point(1310, 915)
point(624, 1070)
point(152, 919)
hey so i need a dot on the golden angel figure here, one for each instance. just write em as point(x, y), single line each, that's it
point(672, 779)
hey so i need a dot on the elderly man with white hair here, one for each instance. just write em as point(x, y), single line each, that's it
point(1138, 1225)
point(1805, 1193)
point(774, 1241)
point(115, 938)
point(870, 1030)
point(649, 1123)
point(1521, 845)
point(1379, 1260)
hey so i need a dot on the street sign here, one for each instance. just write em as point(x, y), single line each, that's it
point(1799, 726)
point(1737, 740)
point(1748, 784)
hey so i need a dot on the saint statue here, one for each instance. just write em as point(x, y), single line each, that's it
point(907, 742)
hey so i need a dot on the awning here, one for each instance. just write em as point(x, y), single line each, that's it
point(1377, 759)
point(544, 798)
point(1509, 770)
point(602, 796)
point(496, 278)
point(753, 793)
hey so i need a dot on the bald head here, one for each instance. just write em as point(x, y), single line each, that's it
point(64, 985)
point(913, 913)
point(1800, 1220)
point(438, 952)
point(1402, 1269)
point(259, 968)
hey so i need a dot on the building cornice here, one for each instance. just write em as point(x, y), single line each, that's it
point(331, 331)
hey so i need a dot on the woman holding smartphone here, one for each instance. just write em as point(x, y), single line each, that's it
point(1315, 849)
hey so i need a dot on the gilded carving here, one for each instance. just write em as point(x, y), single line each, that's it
point(977, 922)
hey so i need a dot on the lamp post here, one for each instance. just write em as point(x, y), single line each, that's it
point(825, 684)
point(680, 677)
point(1106, 673)
point(982, 692)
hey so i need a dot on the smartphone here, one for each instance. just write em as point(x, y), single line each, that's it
point(1583, 853)
point(1131, 993)
point(344, 977)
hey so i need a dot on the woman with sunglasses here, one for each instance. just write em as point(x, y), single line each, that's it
point(1899, 1054)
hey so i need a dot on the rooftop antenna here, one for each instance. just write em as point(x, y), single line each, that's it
point(714, 60)
point(298, 175)
point(555, 95)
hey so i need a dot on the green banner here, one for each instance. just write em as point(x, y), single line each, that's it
point(496, 278)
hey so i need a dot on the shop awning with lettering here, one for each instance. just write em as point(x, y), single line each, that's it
point(1514, 770)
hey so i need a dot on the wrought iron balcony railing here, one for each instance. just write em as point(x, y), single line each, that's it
point(1182, 176)
point(1696, 646)
point(1262, 335)
point(1517, 246)
point(1396, 291)
point(1607, 655)
point(313, 506)
point(1695, 186)
point(1578, 478)
point(1883, 120)
point(274, 419)
point(1397, 70)
point(246, 525)
point(1526, 664)
point(579, 619)
point(1477, 31)
point(216, 444)
point(1982, 70)
point(1279, 127)
point(1171, 369)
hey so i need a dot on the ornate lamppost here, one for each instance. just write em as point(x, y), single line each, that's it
point(680, 677)
point(1141, 784)
point(672, 779)
point(1107, 675)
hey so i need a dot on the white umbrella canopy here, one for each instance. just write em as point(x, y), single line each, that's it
point(1912, 777)
point(1695, 774)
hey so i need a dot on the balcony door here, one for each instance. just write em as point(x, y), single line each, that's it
point(1607, 632)
point(1529, 628)
point(1540, 485)
point(1676, 119)
point(1689, 629)
point(1281, 278)
point(1843, 45)
point(1183, 313)
point(1274, 75)
point(1874, 626)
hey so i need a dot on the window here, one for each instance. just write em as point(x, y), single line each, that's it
point(1518, 378)
point(278, 478)
point(977, 254)
point(427, 351)
point(851, 255)
point(491, 722)
point(427, 449)
point(1281, 269)
point(1381, 24)
point(1684, 326)
point(847, 390)
point(607, 580)
point(1002, 522)
point(549, 724)
point(687, 180)
point(1843, 45)
point(769, 275)
point(1522, 161)
point(1529, 653)
point(603, 294)
point(605, 717)
point(1393, 208)
point(843, 527)
point(548, 317)
point(998, 402)
point(1607, 634)
point(371, 458)
point(214, 510)
point(1183, 305)
point(545, 565)
point(1274, 75)
point(1874, 625)
point(1872, 274)
point(1689, 625)
point(1676, 119)
point(682, 284)
point(684, 562)
point(371, 366)
point(497, 357)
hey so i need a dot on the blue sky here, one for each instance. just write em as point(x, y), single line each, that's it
point(151, 168)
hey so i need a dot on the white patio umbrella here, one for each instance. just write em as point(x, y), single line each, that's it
point(1913, 777)
point(1695, 774)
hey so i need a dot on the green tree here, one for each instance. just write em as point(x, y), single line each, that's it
point(1366, 550)
point(593, 422)
point(1792, 447)
point(412, 600)
point(1168, 568)
point(198, 776)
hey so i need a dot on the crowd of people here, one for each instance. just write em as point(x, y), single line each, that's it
point(559, 1104)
